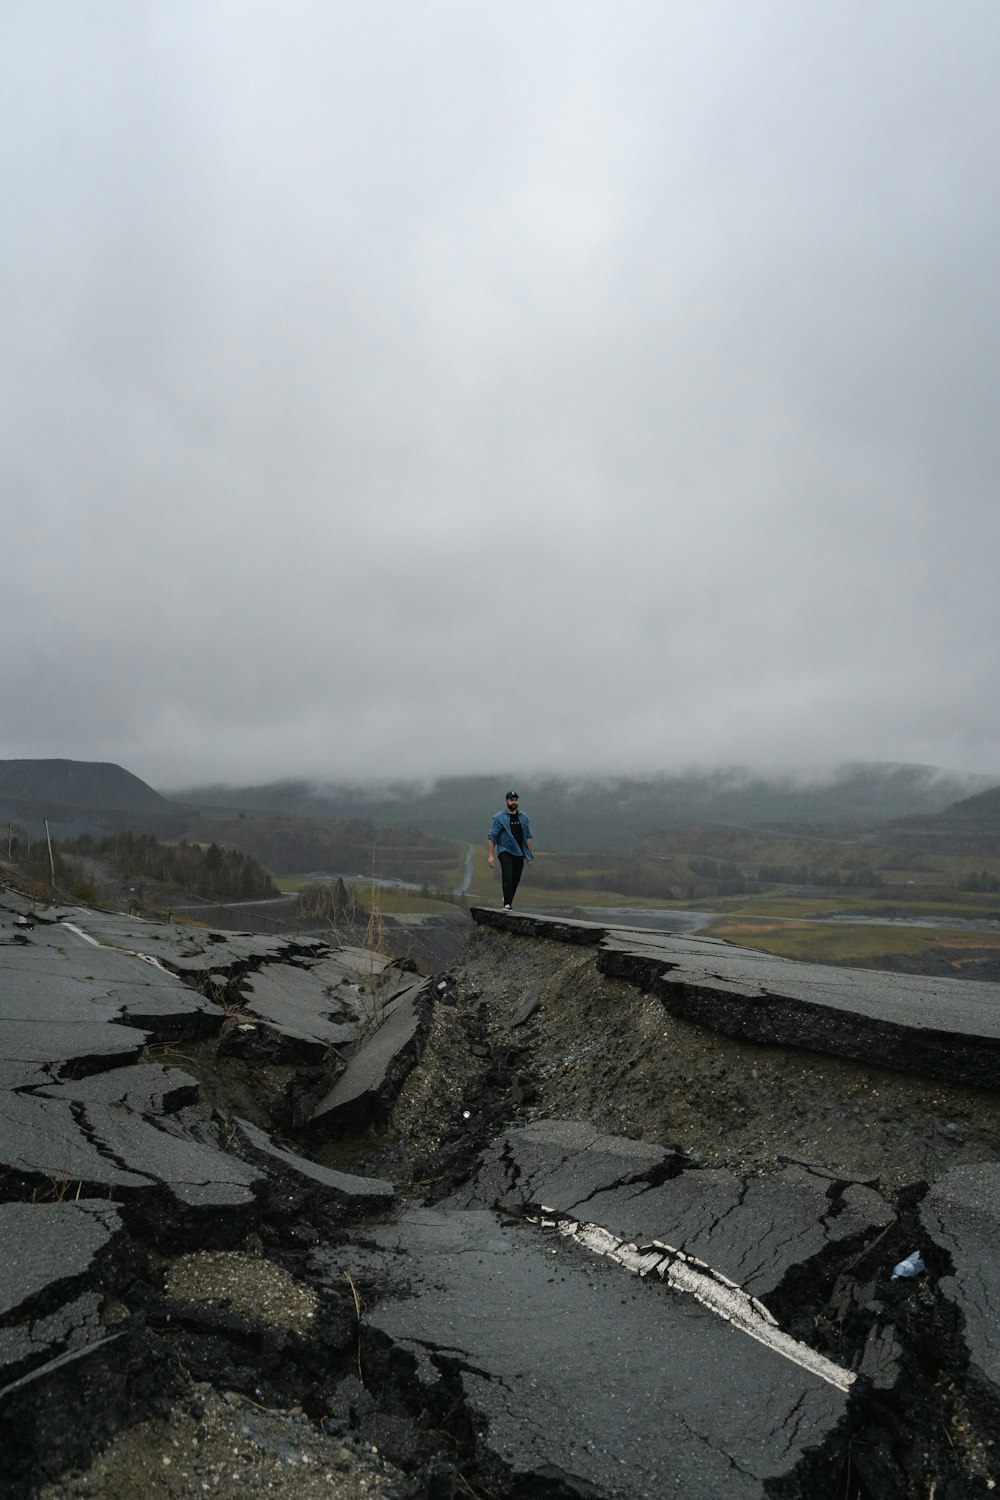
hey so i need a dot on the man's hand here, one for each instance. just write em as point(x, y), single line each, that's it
point(489, 860)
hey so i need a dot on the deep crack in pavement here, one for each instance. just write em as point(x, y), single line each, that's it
point(379, 1313)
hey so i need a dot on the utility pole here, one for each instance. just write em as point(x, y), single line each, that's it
point(52, 863)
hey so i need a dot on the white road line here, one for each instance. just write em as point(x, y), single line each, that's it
point(709, 1287)
point(147, 958)
point(72, 927)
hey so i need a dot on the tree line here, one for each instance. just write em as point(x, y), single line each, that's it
point(212, 872)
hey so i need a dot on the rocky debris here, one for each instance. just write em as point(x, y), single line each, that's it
point(226, 1445)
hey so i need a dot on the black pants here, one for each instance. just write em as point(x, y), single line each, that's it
point(511, 869)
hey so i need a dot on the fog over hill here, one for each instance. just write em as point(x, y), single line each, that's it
point(575, 814)
point(568, 814)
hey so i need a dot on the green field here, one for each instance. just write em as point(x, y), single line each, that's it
point(933, 948)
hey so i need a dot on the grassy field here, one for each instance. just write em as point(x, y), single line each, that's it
point(887, 902)
point(856, 943)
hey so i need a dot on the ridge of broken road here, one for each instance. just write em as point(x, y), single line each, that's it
point(942, 1028)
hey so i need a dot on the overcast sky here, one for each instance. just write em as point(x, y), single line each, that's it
point(396, 388)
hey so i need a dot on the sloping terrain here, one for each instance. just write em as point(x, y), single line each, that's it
point(77, 783)
point(75, 797)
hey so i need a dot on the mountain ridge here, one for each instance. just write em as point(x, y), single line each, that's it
point(575, 814)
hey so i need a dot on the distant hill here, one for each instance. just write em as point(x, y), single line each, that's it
point(356, 847)
point(984, 809)
point(969, 826)
point(80, 796)
point(578, 814)
point(78, 783)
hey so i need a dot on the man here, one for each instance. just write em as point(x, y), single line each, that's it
point(510, 839)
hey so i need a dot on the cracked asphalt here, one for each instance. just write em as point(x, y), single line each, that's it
point(630, 1256)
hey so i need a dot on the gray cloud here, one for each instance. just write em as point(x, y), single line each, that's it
point(406, 390)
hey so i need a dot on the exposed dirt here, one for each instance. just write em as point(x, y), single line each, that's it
point(592, 1048)
point(600, 1050)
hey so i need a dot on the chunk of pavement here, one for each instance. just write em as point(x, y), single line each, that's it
point(753, 1231)
point(368, 1087)
point(59, 966)
point(312, 1180)
point(144, 1088)
point(196, 1174)
point(525, 925)
point(939, 1027)
point(51, 1249)
point(69, 1141)
point(293, 1003)
point(57, 1257)
point(961, 1214)
point(42, 1139)
point(93, 1008)
point(341, 972)
point(559, 1162)
point(583, 1379)
point(184, 950)
point(41, 1052)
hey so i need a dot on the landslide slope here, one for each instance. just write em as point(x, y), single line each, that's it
point(600, 1050)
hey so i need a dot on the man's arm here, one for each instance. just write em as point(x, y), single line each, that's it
point(490, 846)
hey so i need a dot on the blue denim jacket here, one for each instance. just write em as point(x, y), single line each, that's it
point(504, 841)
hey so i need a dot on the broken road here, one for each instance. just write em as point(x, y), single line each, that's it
point(599, 1213)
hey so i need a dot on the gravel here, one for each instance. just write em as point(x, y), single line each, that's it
point(221, 1445)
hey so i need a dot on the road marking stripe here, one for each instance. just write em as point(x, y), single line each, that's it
point(709, 1287)
point(147, 958)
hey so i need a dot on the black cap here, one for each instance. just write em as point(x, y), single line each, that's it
point(511, 794)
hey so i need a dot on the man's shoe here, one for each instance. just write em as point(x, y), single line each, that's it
point(506, 906)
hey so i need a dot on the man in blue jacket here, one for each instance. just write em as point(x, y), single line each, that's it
point(510, 839)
